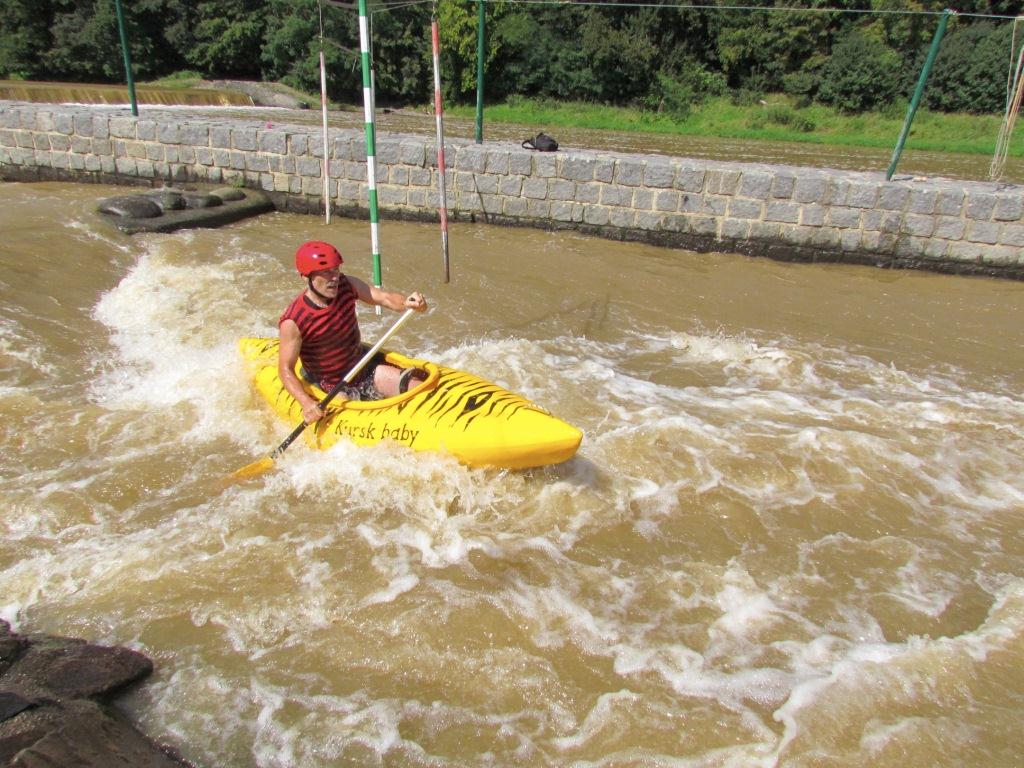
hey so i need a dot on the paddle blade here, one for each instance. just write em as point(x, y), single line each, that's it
point(254, 469)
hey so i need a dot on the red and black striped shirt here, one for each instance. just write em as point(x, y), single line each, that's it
point(330, 335)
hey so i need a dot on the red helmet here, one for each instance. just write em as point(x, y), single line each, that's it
point(316, 255)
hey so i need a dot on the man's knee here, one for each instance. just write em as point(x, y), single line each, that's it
point(407, 376)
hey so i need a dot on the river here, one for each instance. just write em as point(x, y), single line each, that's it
point(791, 537)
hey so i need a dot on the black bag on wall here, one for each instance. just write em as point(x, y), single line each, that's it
point(542, 143)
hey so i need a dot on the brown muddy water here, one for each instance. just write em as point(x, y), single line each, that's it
point(791, 537)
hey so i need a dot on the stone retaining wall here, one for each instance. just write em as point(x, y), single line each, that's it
point(783, 212)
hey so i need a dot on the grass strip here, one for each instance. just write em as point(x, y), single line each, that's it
point(775, 118)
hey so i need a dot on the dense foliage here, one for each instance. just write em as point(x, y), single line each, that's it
point(662, 59)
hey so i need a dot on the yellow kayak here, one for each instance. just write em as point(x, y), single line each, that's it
point(477, 422)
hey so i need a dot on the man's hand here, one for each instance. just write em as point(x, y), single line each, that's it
point(415, 300)
point(312, 412)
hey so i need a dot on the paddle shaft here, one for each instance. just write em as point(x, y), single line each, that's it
point(347, 380)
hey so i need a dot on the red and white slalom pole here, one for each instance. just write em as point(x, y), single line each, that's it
point(439, 118)
point(327, 154)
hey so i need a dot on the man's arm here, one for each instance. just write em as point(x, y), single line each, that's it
point(287, 357)
point(393, 300)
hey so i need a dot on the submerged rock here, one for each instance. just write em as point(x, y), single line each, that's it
point(170, 200)
point(168, 208)
point(131, 207)
point(202, 201)
point(53, 694)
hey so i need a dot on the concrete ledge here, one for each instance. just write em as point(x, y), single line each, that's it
point(780, 212)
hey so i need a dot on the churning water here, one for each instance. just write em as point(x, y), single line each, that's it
point(792, 535)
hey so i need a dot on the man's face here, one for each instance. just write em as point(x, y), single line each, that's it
point(325, 281)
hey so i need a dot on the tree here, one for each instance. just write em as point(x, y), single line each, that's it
point(572, 53)
point(759, 49)
point(24, 38)
point(457, 24)
point(228, 37)
point(291, 48)
point(621, 52)
point(402, 55)
point(172, 24)
point(861, 74)
point(83, 43)
point(971, 69)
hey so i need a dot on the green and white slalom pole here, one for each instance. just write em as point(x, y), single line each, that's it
point(371, 143)
point(327, 143)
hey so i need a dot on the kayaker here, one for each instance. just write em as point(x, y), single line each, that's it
point(320, 325)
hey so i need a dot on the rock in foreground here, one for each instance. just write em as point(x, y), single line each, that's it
point(53, 696)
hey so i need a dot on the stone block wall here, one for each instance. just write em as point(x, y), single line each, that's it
point(783, 212)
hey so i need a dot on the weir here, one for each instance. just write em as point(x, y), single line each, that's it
point(78, 93)
point(782, 212)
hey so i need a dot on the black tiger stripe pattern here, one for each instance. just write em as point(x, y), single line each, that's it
point(463, 398)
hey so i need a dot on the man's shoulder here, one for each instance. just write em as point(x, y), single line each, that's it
point(294, 307)
point(359, 287)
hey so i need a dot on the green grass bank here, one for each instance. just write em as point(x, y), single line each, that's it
point(774, 118)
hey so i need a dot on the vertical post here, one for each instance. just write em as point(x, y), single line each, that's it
point(127, 57)
point(916, 99)
point(479, 71)
point(439, 118)
point(327, 154)
point(371, 142)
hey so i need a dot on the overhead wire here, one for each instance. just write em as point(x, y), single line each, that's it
point(711, 7)
point(380, 6)
point(392, 5)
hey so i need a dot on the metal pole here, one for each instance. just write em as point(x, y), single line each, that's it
point(479, 71)
point(439, 118)
point(127, 57)
point(916, 99)
point(371, 142)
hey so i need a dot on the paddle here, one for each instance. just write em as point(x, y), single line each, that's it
point(262, 465)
